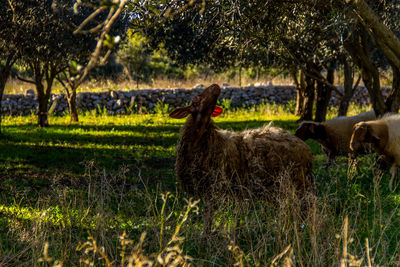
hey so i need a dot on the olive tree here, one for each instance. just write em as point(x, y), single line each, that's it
point(10, 41)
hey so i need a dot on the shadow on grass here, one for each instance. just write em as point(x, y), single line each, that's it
point(30, 155)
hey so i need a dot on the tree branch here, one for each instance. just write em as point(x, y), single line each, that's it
point(88, 19)
point(384, 37)
point(25, 80)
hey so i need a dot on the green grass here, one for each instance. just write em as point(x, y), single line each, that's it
point(74, 183)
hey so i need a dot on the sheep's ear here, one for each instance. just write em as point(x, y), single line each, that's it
point(217, 111)
point(376, 133)
point(180, 113)
point(303, 130)
point(317, 130)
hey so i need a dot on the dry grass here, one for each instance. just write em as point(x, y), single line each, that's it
point(15, 86)
point(250, 233)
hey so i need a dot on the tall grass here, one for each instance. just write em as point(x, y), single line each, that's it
point(109, 198)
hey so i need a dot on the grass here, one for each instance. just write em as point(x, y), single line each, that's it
point(81, 194)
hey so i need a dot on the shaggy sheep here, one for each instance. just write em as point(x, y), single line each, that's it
point(334, 135)
point(212, 163)
point(384, 135)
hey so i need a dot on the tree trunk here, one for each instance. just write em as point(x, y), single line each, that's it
point(300, 88)
point(43, 101)
point(308, 100)
point(357, 46)
point(348, 88)
point(71, 98)
point(371, 80)
point(240, 75)
point(387, 42)
point(393, 99)
point(382, 36)
point(324, 94)
point(4, 74)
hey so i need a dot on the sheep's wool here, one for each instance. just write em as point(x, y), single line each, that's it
point(339, 131)
point(225, 163)
point(393, 145)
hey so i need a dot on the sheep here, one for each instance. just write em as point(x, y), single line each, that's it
point(334, 135)
point(212, 163)
point(384, 135)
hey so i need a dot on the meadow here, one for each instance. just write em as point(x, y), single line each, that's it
point(102, 192)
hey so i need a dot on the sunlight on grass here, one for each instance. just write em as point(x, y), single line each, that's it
point(107, 174)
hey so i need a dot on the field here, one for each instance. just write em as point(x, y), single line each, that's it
point(103, 192)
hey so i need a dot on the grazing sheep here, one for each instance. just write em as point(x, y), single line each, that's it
point(384, 135)
point(212, 163)
point(334, 135)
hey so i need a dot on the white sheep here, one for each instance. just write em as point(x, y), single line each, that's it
point(213, 164)
point(333, 135)
point(384, 135)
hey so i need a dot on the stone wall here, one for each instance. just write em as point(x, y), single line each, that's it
point(121, 102)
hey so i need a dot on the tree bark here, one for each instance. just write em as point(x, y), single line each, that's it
point(387, 42)
point(357, 46)
point(4, 75)
point(308, 99)
point(43, 101)
point(300, 88)
point(293, 74)
point(393, 99)
point(43, 72)
point(71, 98)
point(348, 88)
point(383, 37)
point(324, 94)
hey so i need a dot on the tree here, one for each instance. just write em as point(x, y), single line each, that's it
point(52, 53)
point(378, 25)
point(47, 51)
point(241, 33)
point(135, 57)
point(93, 22)
point(306, 35)
point(365, 27)
point(10, 41)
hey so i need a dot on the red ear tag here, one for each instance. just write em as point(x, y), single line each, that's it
point(217, 111)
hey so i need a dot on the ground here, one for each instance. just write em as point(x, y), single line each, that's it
point(84, 185)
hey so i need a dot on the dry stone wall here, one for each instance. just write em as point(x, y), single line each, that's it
point(122, 102)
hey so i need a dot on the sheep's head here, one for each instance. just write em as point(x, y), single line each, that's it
point(364, 133)
point(359, 136)
point(313, 130)
point(202, 106)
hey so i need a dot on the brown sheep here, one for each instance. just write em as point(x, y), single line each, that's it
point(384, 135)
point(334, 135)
point(212, 163)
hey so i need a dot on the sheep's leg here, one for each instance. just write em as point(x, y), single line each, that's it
point(393, 171)
point(207, 218)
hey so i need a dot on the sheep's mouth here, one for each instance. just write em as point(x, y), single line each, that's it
point(354, 147)
point(211, 93)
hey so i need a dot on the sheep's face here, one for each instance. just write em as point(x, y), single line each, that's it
point(313, 130)
point(202, 106)
point(376, 133)
point(359, 136)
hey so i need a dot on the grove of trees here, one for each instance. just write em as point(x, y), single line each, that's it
point(312, 39)
point(56, 40)
point(63, 40)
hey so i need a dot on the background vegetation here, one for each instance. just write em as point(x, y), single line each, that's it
point(102, 190)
